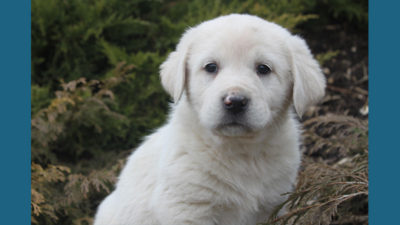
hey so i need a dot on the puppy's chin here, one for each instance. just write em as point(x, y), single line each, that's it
point(233, 130)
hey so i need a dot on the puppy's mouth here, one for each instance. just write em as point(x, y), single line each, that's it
point(232, 124)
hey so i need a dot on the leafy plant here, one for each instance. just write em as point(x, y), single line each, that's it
point(41, 188)
point(82, 110)
point(57, 193)
point(67, 36)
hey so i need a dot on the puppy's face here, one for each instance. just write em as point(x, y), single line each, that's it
point(238, 72)
point(238, 79)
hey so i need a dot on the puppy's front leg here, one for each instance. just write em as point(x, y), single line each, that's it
point(185, 204)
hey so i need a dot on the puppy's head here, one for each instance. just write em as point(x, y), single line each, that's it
point(240, 73)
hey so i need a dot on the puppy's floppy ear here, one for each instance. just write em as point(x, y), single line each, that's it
point(309, 81)
point(173, 73)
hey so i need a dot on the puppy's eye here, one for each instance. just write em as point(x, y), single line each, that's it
point(263, 69)
point(211, 67)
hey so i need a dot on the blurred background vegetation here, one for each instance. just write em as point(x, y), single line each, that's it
point(96, 93)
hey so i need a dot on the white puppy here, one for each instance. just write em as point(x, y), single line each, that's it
point(231, 146)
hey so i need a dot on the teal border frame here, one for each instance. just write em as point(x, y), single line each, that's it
point(15, 116)
point(384, 56)
point(384, 122)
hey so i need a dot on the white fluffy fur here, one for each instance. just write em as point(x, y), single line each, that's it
point(192, 171)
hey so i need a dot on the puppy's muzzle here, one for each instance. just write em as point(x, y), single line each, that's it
point(235, 103)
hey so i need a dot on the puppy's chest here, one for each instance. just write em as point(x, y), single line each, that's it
point(251, 182)
point(247, 190)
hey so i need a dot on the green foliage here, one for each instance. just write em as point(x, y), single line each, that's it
point(67, 35)
point(352, 11)
point(59, 196)
point(81, 112)
point(42, 190)
point(353, 14)
point(286, 13)
point(96, 90)
point(71, 39)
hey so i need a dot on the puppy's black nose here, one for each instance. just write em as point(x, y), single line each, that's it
point(235, 103)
